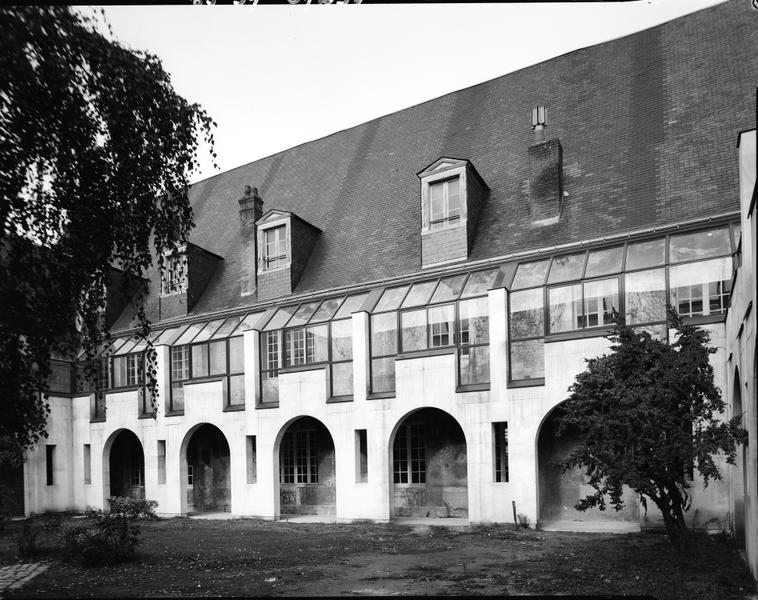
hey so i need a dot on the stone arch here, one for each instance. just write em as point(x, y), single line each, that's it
point(205, 461)
point(123, 466)
point(558, 491)
point(428, 465)
point(305, 470)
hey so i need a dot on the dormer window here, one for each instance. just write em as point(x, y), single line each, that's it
point(445, 203)
point(275, 247)
point(174, 279)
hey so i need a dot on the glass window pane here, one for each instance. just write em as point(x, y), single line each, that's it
point(475, 365)
point(384, 334)
point(294, 347)
point(270, 350)
point(126, 347)
point(351, 304)
point(391, 299)
point(207, 331)
point(237, 390)
point(527, 313)
point(236, 355)
point(701, 288)
point(217, 351)
point(326, 310)
point(449, 288)
point(227, 327)
point(269, 387)
point(317, 344)
point(302, 314)
point(179, 363)
point(565, 308)
point(650, 253)
point(645, 296)
point(657, 332)
point(383, 375)
point(604, 262)
point(413, 326)
point(247, 323)
point(419, 294)
point(167, 336)
point(527, 360)
point(200, 360)
point(177, 395)
point(737, 231)
point(530, 274)
point(342, 340)
point(189, 333)
point(119, 371)
point(280, 318)
point(700, 244)
point(474, 320)
point(480, 282)
point(566, 268)
point(441, 320)
point(601, 298)
point(342, 379)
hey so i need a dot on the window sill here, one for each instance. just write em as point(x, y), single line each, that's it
point(123, 388)
point(380, 395)
point(522, 383)
point(234, 408)
point(338, 399)
point(704, 320)
point(262, 405)
point(174, 413)
point(425, 353)
point(151, 415)
point(473, 387)
point(301, 368)
point(208, 379)
point(97, 420)
point(578, 334)
point(457, 224)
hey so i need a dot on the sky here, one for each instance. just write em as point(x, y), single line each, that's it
point(273, 77)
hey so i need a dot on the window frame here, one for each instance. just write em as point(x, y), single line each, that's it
point(446, 222)
point(174, 281)
point(282, 237)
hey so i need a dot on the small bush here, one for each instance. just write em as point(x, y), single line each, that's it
point(523, 520)
point(131, 508)
point(102, 538)
point(39, 534)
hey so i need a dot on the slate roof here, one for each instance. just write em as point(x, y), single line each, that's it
point(648, 125)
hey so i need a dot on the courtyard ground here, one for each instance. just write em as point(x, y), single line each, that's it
point(245, 557)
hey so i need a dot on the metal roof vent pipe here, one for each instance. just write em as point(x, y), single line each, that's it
point(539, 122)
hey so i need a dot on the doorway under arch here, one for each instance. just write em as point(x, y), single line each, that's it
point(126, 465)
point(559, 491)
point(429, 467)
point(207, 475)
point(307, 475)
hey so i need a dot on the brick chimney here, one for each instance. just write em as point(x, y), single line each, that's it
point(251, 209)
point(545, 173)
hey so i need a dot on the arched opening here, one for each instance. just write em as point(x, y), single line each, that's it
point(307, 473)
point(126, 463)
point(740, 469)
point(429, 470)
point(559, 491)
point(207, 479)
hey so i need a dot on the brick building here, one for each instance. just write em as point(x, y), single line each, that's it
point(380, 323)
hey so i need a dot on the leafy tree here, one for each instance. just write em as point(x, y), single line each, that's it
point(645, 413)
point(96, 149)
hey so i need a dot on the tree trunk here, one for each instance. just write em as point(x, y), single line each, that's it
point(676, 527)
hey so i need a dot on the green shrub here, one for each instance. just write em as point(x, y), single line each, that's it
point(39, 534)
point(131, 508)
point(101, 538)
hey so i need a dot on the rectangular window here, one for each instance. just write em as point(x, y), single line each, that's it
point(270, 361)
point(342, 357)
point(275, 247)
point(50, 463)
point(409, 454)
point(444, 203)
point(527, 360)
point(252, 458)
point(161, 461)
point(577, 306)
point(87, 464)
point(645, 296)
point(601, 298)
point(119, 371)
point(134, 370)
point(103, 375)
point(217, 358)
point(413, 327)
point(299, 451)
point(383, 351)
point(701, 288)
point(60, 376)
point(361, 456)
point(500, 434)
point(190, 475)
point(174, 278)
point(180, 372)
point(473, 346)
point(199, 361)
